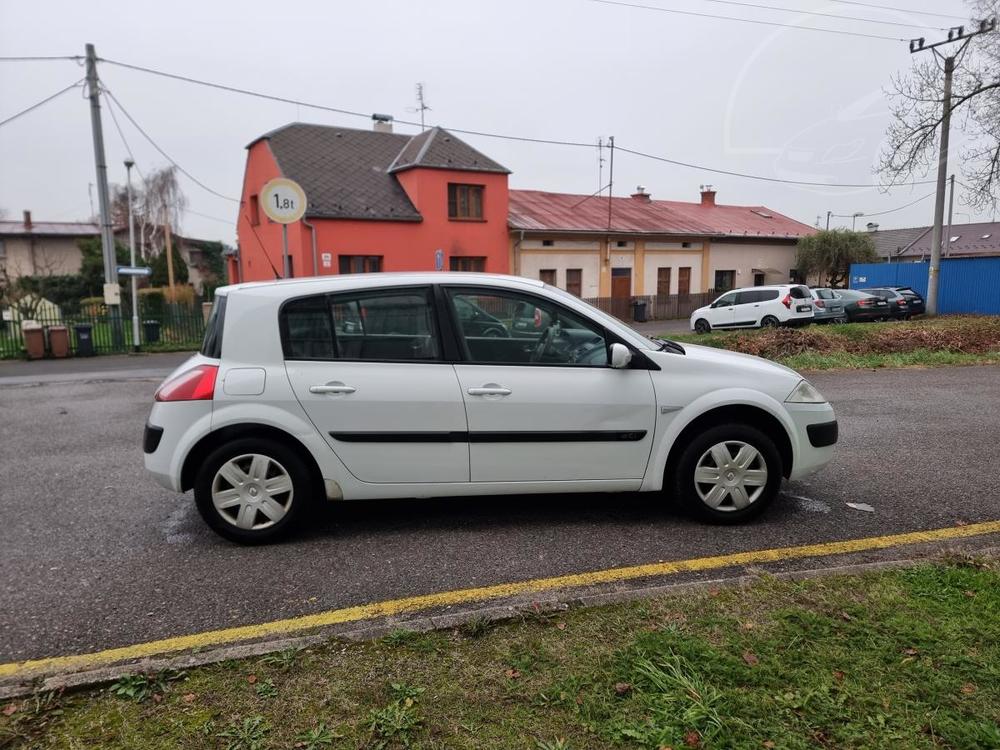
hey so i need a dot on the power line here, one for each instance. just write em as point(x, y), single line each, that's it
point(121, 134)
point(164, 154)
point(898, 10)
point(889, 211)
point(819, 13)
point(758, 177)
point(39, 58)
point(327, 108)
point(230, 222)
point(747, 20)
point(46, 100)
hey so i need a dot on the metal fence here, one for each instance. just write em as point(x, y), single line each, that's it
point(174, 327)
point(966, 285)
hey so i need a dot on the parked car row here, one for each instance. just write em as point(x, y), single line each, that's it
point(797, 304)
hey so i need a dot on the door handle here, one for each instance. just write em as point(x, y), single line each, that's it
point(332, 388)
point(490, 390)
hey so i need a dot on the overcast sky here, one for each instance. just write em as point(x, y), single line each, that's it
point(770, 101)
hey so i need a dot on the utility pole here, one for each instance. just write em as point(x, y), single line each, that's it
point(107, 235)
point(828, 215)
point(168, 238)
point(134, 282)
point(611, 178)
point(854, 219)
point(955, 34)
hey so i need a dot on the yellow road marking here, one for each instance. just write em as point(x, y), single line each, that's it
point(483, 593)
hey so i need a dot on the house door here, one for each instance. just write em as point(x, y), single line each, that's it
point(683, 281)
point(621, 292)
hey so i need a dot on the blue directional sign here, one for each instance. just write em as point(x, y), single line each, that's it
point(134, 271)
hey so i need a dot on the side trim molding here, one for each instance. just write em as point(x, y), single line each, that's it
point(542, 436)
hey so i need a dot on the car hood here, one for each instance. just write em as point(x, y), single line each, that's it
point(721, 369)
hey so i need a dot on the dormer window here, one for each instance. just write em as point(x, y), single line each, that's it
point(465, 202)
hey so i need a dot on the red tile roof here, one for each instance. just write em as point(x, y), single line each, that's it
point(535, 210)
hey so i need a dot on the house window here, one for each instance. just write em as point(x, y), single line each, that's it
point(621, 243)
point(574, 281)
point(360, 263)
point(465, 201)
point(725, 280)
point(758, 279)
point(467, 263)
point(685, 244)
point(548, 275)
point(547, 243)
point(663, 282)
point(254, 210)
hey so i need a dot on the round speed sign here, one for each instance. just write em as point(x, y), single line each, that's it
point(283, 200)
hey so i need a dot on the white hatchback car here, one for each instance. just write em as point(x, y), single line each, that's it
point(756, 307)
point(378, 386)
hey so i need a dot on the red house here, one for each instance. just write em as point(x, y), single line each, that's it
point(377, 201)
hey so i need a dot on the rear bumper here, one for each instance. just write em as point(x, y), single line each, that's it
point(151, 437)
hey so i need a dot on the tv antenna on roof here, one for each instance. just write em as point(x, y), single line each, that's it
point(421, 105)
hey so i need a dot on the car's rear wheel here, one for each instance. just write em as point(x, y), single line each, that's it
point(702, 326)
point(769, 321)
point(252, 490)
point(728, 474)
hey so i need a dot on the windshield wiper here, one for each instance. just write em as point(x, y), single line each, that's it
point(666, 345)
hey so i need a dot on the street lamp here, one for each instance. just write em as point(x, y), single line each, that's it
point(854, 218)
point(131, 249)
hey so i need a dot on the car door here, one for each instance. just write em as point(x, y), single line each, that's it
point(367, 368)
point(544, 404)
point(722, 313)
point(747, 308)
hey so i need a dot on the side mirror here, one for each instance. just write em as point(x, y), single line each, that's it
point(620, 356)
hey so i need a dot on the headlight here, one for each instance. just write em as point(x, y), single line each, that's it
point(804, 393)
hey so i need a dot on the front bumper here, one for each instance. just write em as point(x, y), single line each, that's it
point(815, 428)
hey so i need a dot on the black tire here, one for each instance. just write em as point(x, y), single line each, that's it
point(301, 495)
point(682, 483)
point(769, 321)
point(702, 326)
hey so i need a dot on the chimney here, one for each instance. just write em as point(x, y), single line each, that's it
point(383, 123)
point(27, 221)
point(707, 195)
point(640, 194)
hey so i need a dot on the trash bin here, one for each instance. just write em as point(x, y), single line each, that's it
point(59, 341)
point(639, 311)
point(151, 331)
point(34, 339)
point(84, 340)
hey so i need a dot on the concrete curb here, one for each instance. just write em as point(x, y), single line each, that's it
point(495, 612)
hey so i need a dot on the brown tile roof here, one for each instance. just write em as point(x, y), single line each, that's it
point(50, 229)
point(978, 240)
point(438, 149)
point(542, 211)
point(348, 173)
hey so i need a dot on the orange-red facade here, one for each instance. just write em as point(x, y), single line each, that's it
point(402, 245)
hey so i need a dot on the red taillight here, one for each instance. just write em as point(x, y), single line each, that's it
point(864, 302)
point(196, 384)
point(819, 303)
point(787, 301)
point(901, 302)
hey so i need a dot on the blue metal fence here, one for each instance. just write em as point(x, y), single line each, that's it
point(967, 285)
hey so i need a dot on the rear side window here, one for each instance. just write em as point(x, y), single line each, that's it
point(397, 326)
point(212, 344)
point(799, 292)
point(766, 295)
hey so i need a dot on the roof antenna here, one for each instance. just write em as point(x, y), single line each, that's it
point(422, 105)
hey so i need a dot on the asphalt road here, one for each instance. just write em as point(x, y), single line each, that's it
point(95, 555)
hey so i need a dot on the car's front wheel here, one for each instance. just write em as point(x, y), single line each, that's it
point(729, 473)
point(252, 490)
point(702, 326)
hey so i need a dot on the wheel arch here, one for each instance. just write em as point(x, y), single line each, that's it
point(748, 414)
point(216, 438)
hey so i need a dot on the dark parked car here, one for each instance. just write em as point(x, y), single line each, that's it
point(899, 306)
point(477, 322)
point(860, 306)
point(913, 299)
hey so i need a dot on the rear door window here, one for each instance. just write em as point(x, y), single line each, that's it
point(766, 295)
point(799, 292)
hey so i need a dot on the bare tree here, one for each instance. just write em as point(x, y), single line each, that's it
point(157, 200)
point(916, 105)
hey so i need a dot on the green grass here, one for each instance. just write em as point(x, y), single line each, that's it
point(897, 660)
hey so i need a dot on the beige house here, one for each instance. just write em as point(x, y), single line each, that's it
point(638, 246)
point(46, 248)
